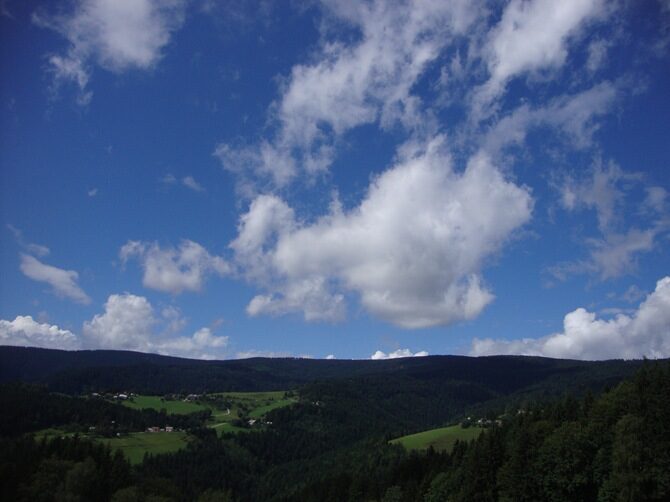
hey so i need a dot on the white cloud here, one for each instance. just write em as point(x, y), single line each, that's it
point(189, 182)
point(92, 192)
point(24, 331)
point(351, 84)
point(397, 354)
point(174, 270)
point(63, 282)
point(412, 250)
point(129, 322)
point(116, 34)
point(248, 354)
point(197, 345)
point(532, 35)
point(330, 357)
point(310, 295)
point(645, 333)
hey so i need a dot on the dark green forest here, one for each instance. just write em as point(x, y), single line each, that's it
point(601, 432)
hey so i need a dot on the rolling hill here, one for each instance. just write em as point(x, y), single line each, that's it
point(82, 371)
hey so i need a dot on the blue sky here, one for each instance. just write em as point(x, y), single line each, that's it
point(348, 179)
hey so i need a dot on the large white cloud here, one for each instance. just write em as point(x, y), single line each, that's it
point(26, 332)
point(412, 250)
point(351, 84)
point(115, 34)
point(127, 323)
point(396, 354)
point(174, 270)
point(130, 322)
point(63, 282)
point(645, 333)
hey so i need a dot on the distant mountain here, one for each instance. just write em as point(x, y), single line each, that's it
point(95, 370)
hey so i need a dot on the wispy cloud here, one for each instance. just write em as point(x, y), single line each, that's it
point(32, 248)
point(189, 182)
point(116, 35)
point(63, 282)
point(531, 36)
point(615, 250)
point(349, 85)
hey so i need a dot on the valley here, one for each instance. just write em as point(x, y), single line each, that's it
point(440, 428)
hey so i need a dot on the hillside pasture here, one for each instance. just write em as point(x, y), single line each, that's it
point(136, 444)
point(442, 439)
point(242, 405)
point(133, 445)
point(173, 406)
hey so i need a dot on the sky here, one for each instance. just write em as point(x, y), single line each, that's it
point(336, 179)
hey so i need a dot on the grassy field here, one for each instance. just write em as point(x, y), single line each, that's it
point(440, 439)
point(135, 444)
point(251, 404)
point(157, 403)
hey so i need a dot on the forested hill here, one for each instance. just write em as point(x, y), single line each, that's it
point(81, 371)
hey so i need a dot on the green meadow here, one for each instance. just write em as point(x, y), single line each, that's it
point(157, 403)
point(226, 408)
point(135, 444)
point(238, 405)
point(442, 439)
point(252, 405)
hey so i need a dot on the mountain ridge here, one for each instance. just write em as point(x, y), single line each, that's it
point(88, 370)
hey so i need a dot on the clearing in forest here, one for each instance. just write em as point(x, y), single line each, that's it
point(442, 439)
